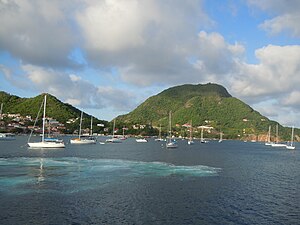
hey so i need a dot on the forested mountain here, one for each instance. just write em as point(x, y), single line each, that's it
point(203, 105)
point(56, 109)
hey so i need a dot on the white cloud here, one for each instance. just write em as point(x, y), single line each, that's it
point(148, 40)
point(76, 91)
point(277, 73)
point(286, 15)
point(292, 99)
point(215, 58)
point(36, 31)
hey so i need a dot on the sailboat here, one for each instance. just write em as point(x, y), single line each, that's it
point(221, 137)
point(291, 145)
point(202, 139)
point(268, 141)
point(159, 135)
point(114, 139)
point(5, 136)
point(171, 143)
point(123, 136)
point(190, 141)
point(277, 144)
point(84, 139)
point(44, 143)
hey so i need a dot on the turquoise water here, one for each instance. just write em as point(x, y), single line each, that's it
point(144, 183)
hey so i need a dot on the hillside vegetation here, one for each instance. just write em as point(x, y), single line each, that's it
point(56, 109)
point(204, 105)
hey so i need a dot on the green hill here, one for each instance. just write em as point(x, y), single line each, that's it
point(56, 109)
point(203, 104)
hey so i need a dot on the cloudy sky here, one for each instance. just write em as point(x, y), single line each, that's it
point(107, 56)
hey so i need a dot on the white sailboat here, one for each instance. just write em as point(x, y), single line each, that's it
point(113, 139)
point(190, 141)
point(291, 145)
point(221, 137)
point(44, 143)
point(6, 136)
point(84, 139)
point(268, 141)
point(277, 144)
point(159, 135)
point(171, 143)
point(141, 140)
point(202, 140)
point(123, 136)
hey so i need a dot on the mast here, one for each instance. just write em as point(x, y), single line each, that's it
point(269, 134)
point(191, 130)
point(276, 133)
point(44, 117)
point(79, 134)
point(91, 125)
point(292, 137)
point(170, 127)
point(113, 132)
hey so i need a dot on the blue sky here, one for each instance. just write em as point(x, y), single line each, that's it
point(108, 56)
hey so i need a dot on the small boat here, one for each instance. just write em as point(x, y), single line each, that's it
point(7, 137)
point(268, 141)
point(190, 141)
point(84, 139)
point(159, 135)
point(202, 140)
point(141, 140)
point(113, 139)
point(44, 143)
point(277, 144)
point(291, 145)
point(171, 143)
point(221, 137)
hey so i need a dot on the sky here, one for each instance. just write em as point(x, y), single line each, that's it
point(106, 57)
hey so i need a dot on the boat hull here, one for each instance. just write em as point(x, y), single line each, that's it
point(114, 140)
point(141, 140)
point(82, 141)
point(171, 145)
point(7, 137)
point(278, 145)
point(46, 145)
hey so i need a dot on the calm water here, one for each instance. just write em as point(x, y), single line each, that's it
point(143, 183)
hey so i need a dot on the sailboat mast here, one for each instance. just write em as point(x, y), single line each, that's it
point(276, 133)
point(113, 132)
point(191, 130)
point(91, 125)
point(44, 117)
point(79, 134)
point(292, 137)
point(170, 126)
point(269, 134)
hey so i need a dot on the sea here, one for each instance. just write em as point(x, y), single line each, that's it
point(231, 182)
